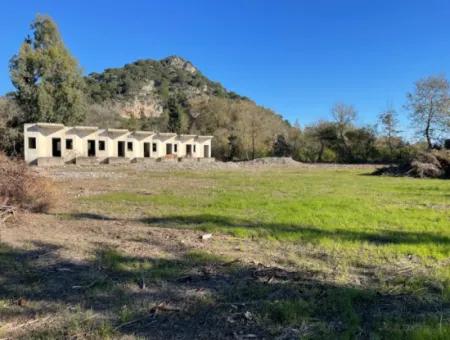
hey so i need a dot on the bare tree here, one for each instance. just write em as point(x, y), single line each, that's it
point(344, 115)
point(389, 124)
point(429, 107)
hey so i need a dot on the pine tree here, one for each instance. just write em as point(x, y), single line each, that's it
point(178, 121)
point(49, 83)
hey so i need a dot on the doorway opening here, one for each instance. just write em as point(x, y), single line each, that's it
point(206, 151)
point(168, 149)
point(188, 150)
point(147, 150)
point(56, 147)
point(91, 148)
point(121, 149)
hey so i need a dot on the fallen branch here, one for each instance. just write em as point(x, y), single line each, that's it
point(153, 311)
point(6, 212)
point(131, 322)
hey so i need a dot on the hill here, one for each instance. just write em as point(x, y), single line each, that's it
point(173, 95)
point(145, 86)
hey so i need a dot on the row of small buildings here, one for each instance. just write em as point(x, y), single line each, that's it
point(55, 144)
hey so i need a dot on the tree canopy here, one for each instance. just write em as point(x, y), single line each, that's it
point(49, 82)
point(429, 107)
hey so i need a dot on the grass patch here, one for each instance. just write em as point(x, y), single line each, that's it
point(322, 207)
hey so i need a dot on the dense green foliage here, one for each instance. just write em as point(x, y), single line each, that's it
point(11, 120)
point(49, 84)
point(128, 81)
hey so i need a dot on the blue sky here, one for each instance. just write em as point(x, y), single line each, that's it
point(295, 57)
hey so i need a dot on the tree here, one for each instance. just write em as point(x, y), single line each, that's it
point(11, 116)
point(361, 142)
point(295, 139)
point(389, 124)
point(254, 129)
point(49, 83)
point(344, 115)
point(281, 147)
point(325, 134)
point(233, 144)
point(429, 107)
point(178, 120)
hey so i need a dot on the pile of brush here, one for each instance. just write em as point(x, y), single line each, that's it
point(431, 164)
point(22, 189)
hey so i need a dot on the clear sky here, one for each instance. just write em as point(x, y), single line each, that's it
point(296, 57)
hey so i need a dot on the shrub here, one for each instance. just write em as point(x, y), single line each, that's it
point(23, 189)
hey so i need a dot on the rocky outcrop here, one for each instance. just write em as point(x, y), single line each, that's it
point(146, 103)
point(179, 63)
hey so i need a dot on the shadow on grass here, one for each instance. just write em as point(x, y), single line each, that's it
point(197, 295)
point(278, 230)
point(90, 216)
point(308, 233)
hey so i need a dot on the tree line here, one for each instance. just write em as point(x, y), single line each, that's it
point(50, 87)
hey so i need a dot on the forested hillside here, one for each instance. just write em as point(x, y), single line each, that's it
point(173, 95)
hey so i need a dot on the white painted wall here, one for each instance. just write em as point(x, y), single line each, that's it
point(45, 132)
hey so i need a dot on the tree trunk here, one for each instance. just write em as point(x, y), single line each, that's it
point(427, 134)
point(391, 149)
point(253, 146)
point(322, 147)
point(428, 126)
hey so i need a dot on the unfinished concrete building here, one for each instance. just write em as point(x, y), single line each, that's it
point(56, 144)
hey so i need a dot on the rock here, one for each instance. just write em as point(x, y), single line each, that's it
point(248, 315)
point(180, 63)
point(206, 236)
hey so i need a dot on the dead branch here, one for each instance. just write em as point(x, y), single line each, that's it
point(131, 322)
point(6, 212)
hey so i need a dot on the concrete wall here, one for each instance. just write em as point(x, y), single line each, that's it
point(44, 133)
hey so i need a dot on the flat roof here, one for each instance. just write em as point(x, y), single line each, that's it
point(58, 126)
point(167, 134)
point(143, 133)
point(116, 130)
point(50, 125)
point(205, 137)
point(86, 128)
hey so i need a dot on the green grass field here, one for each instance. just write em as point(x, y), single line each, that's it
point(307, 252)
point(346, 210)
point(358, 220)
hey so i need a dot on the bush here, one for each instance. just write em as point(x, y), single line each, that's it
point(21, 188)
